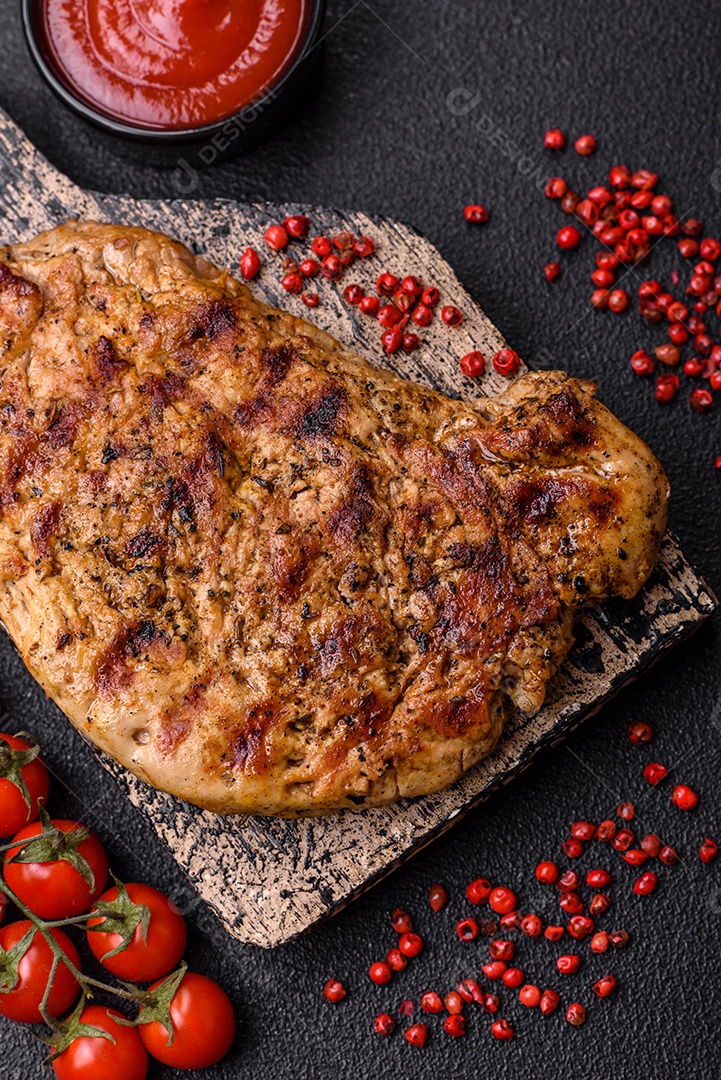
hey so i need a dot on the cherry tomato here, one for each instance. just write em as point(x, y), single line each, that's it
point(14, 811)
point(96, 1058)
point(164, 945)
point(55, 889)
point(3, 906)
point(203, 1025)
point(23, 1002)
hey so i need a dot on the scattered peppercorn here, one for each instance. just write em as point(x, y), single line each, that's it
point(473, 364)
point(549, 1002)
point(475, 214)
point(297, 226)
point(502, 900)
point(654, 773)
point(249, 263)
point(684, 797)
point(334, 990)
point(503, 1030)
point(437, 898)
point(380, 973)
point(470, 990)
point(502, 950)
point(569, 964)
point(478, 891)
point(384, 1025)
point(417, 1034)
point(276, 237)
point(622, 840)
point(576, 1014)
point(639, 732)
point(651, 845)
point(529, 995)
point(668, 855)
point(554, 139)
point(396, 960)
point(531, 926)
point(506, 362)
point(599, 942)
point(708, 851)
point(467, 929)
point(569, 879)
point(645, 884)
point(547, 872)
point(585, 145)
point(451, 315)
point(431, 1002)
point(568, 238)
point(494, 970)
point(454, 1026)
point(410, 944)
point(512, 978)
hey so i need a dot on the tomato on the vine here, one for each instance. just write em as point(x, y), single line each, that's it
point(92, 1057)
point(18, 769)
point(165, 937)
point(33, 970)
point(203, 1025)
point(48, 875)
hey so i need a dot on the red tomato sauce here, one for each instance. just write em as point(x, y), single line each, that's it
point(172, 64)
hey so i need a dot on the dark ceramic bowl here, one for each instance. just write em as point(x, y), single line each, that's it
point(244, 128)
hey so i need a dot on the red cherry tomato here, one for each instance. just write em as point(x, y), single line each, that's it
point(203, 1025)
point(55, 889)
point(23, 1002)
point(164, 945)
point(14, 811)
point(96, 1058)
point(3, 906)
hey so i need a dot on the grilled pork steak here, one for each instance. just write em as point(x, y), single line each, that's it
point(265, 575)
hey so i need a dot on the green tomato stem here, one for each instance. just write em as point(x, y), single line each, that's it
point(59, 956)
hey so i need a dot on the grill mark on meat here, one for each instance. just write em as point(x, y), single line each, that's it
point(348, 520)
point(44, 527)
point(177, 724)
point(21, 305)
point(290, 565)
point(321, 416)
point(107, 365)
point(62, 430)
point(537, 501)
point(142, 544)
point(19, 459)
point(212, 318)
point(485, 607)
point(113, 670)
point(565, 412)
point(16, 285)
point(454, 717)
point(274, 363)
point(248, 751)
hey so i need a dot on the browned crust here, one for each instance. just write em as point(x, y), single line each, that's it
point(264, 575)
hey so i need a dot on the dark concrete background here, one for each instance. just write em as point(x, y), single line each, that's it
point(375, 133)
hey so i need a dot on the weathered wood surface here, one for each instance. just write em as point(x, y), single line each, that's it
point(269, 880)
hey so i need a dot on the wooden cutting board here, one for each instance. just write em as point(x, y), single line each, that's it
point(270, 880)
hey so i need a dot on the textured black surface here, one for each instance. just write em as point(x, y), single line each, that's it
point(378, 135)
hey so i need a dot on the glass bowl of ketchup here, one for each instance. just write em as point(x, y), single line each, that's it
point(168, 71)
